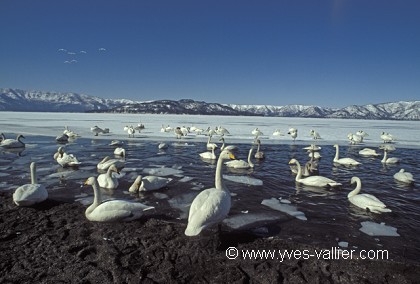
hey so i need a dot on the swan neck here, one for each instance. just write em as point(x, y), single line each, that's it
point(97, 198)
point(33, 174)
point(336, 153)
point(249, 157)
point(356, 190)
point(299, 171)
point(385, 156)
point(218, 180)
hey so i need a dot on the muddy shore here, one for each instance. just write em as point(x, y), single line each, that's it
point(54, 243)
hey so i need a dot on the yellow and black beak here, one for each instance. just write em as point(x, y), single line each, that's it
point(232, 157)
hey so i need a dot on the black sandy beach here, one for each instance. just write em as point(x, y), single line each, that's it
point(54, 243)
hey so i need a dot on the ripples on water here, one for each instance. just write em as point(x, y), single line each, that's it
point(331, 217)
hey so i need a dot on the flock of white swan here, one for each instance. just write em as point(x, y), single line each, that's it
point(211, 206)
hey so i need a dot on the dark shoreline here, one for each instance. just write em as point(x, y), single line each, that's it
point(54, 243)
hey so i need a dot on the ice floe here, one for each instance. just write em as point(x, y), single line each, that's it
point(291, 210)
point(376, 229)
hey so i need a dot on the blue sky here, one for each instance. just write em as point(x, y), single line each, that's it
point(328, 53)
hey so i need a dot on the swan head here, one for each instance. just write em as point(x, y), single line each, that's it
point(292, 161)
point(227, 155)
point(90, 181)
point(354, 180)
point(335, 145)
point(20, 136)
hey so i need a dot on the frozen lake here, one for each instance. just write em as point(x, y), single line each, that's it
point(266, 199)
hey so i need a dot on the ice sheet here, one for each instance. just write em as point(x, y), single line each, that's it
point(376, 229)
point(275, 204)
point(243, 179)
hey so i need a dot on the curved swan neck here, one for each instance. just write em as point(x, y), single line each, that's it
point(97, 198)
point(249, 157)
point(385, 156)
point(218, 180)
point(357, 189)
point(33, 173)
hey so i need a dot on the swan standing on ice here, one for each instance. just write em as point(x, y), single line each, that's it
point(386, 160)
point(108, 181)
point(259, 154)
point(71, 134)
point(404, 176)
point(293, 132)
point(367, 152)
point(387, 138)
point(149, 183)
point(13, 143)
point(354, 138)
point(256, 132)
point(64, 159)
point(277, 132)
point(241, 164)
point(315, 135)
point(343, 161)
point(30, 194)
point(365, 201)
point(212, 205)
point(318, 181)
point(112, 210)
point(107, 162)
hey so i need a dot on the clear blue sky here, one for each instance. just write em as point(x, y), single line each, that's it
point(328, 53)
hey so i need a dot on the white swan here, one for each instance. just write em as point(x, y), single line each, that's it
point(112, 210)
point(119, 151)
point(241, 164)
point(64, 159)
point(256, 132)
point(387, 138)
point(315, 135)
point(318, 181)
point(208, 155)
point(259, 154)
point(13, 143)
point(404, 176)
point(163, 146)
point(211, 145)
point(212, 205)
point(107, 180)
point(365, 201)
point(293, 132)
point(344, 161)
point(277, 132)
point(107, 162)
point(149, 183)
point(354, 138)
point(30, 194)
point(367, 152)
point(362, 133)
point(386, 160)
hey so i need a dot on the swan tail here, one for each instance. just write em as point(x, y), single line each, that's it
point(334, 184)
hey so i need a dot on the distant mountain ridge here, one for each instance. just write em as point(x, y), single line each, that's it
point(20, 100)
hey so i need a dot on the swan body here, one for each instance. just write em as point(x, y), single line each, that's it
point(212, 205)
point(112, 210)
point(107, 162)
point(404, 176)
point(13, 143)
point(355, 138)
point(277, 132)
point(241, 164)
point(315, 135)
point(208, 155)
point(149, 183)
point(317, 181)
point(106, 180)
point(387, 138)
point(30, 194)
point(386, 160)
point(367, 152)
point(162, 146)
point(70, 133)
point(365, 201)
point(343, 161)
point(210, 145)
point(119, 151)
point(64, 159)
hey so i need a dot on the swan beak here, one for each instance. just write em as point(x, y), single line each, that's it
point(232, 157)
point(85, 183)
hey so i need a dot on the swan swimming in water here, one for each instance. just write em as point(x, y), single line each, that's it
point(365, 201)
point(404, 176)
point(343, 161)
point(367, 152)
point(119, 151)
point(241, 164)
point(13, 143)
point(208, 155)
point(259, 154)
point(318, 181)
point(107, 162)
point(386, 160)
point(108, 181)
point(30, 194)
point(112, 210)
point(212, 205)
point(149, 183)
point(64, 159)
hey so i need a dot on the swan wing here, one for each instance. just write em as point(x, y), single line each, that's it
point(30, 194)
point(237, 164)
point(209, 207)
point(118, 210)
point(347, 161)
point(319, 181)
point(153, 183)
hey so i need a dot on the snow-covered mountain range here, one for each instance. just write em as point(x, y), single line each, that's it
point(20, 100)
